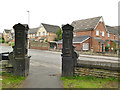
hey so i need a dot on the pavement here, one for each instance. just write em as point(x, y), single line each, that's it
point(100, 57)
point(45, 70)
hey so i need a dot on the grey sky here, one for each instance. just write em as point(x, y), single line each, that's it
point(56, 12)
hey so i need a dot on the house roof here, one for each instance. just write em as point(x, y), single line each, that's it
point(33, 30)
point(99, 40)
point(7, 31)
point(113, 30)
point(50, 28)
point(86, 24)
point(32, 39)
point(42, 38)
point(114, 40)
point(78, 39)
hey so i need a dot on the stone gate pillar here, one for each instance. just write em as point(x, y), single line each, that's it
point(67, 60)
point(20, 56)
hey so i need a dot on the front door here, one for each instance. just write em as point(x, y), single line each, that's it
point(102, 48)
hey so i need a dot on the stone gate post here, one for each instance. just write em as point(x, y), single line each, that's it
point(20, 55)
point(67, 60)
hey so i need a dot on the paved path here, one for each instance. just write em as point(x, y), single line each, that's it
point(45, 70)
point(100, 57)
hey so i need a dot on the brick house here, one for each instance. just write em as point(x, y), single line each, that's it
point(97, 31)
point(80, 42)
point(8, 35)
point(44, 33)
point(33, 34)
point(0, 35)
point(113, 37)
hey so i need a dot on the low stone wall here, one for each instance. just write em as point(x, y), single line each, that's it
point(7, 68)
point(98, 70)
point(4, 44)
point(41, 48)
point(39, 45)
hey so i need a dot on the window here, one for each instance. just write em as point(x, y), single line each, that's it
point(111, 35)
point(108, 34)
point(103, 34)
point(114, 36)
point(97, 33)
point(108, 44)
point(74, 34)
point(33, 35)
point(85, 46)
point(39, 33)
point(119, 36)
point(43, 33)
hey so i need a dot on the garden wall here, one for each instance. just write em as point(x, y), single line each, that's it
point(39, 45)
point(97, 69)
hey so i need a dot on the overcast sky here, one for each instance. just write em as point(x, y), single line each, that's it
point(56, 12)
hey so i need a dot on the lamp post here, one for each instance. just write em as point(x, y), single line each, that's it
point(28, 31)
point(28, 17)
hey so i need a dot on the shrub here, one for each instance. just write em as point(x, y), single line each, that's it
point(2, 40)
point(11, 44)
point(107, 48)
point(46, 40)
point(6, 42)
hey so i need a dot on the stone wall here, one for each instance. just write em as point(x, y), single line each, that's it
point(101, 73)
point(39, 45)
point(100, 70)
point(7, 68)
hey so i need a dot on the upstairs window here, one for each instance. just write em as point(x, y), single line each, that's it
point(97, 32)
point(39, 33)
point(103, 34)
point(108, 34)
point(43, 33)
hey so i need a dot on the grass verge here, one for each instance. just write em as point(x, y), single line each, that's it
point(11, 81)
point(90, 82)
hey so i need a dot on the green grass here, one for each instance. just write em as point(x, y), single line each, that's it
point(89, 82)
point(11, 81)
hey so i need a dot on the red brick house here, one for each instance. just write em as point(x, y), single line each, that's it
point(113, 37)
point(0, 35)
point(97, 31)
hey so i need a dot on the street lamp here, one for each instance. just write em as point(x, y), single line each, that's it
point(28, 17)
point(28, 31)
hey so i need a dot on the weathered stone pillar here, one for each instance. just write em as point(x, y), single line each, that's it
point(20, 58)
point(67, 51)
